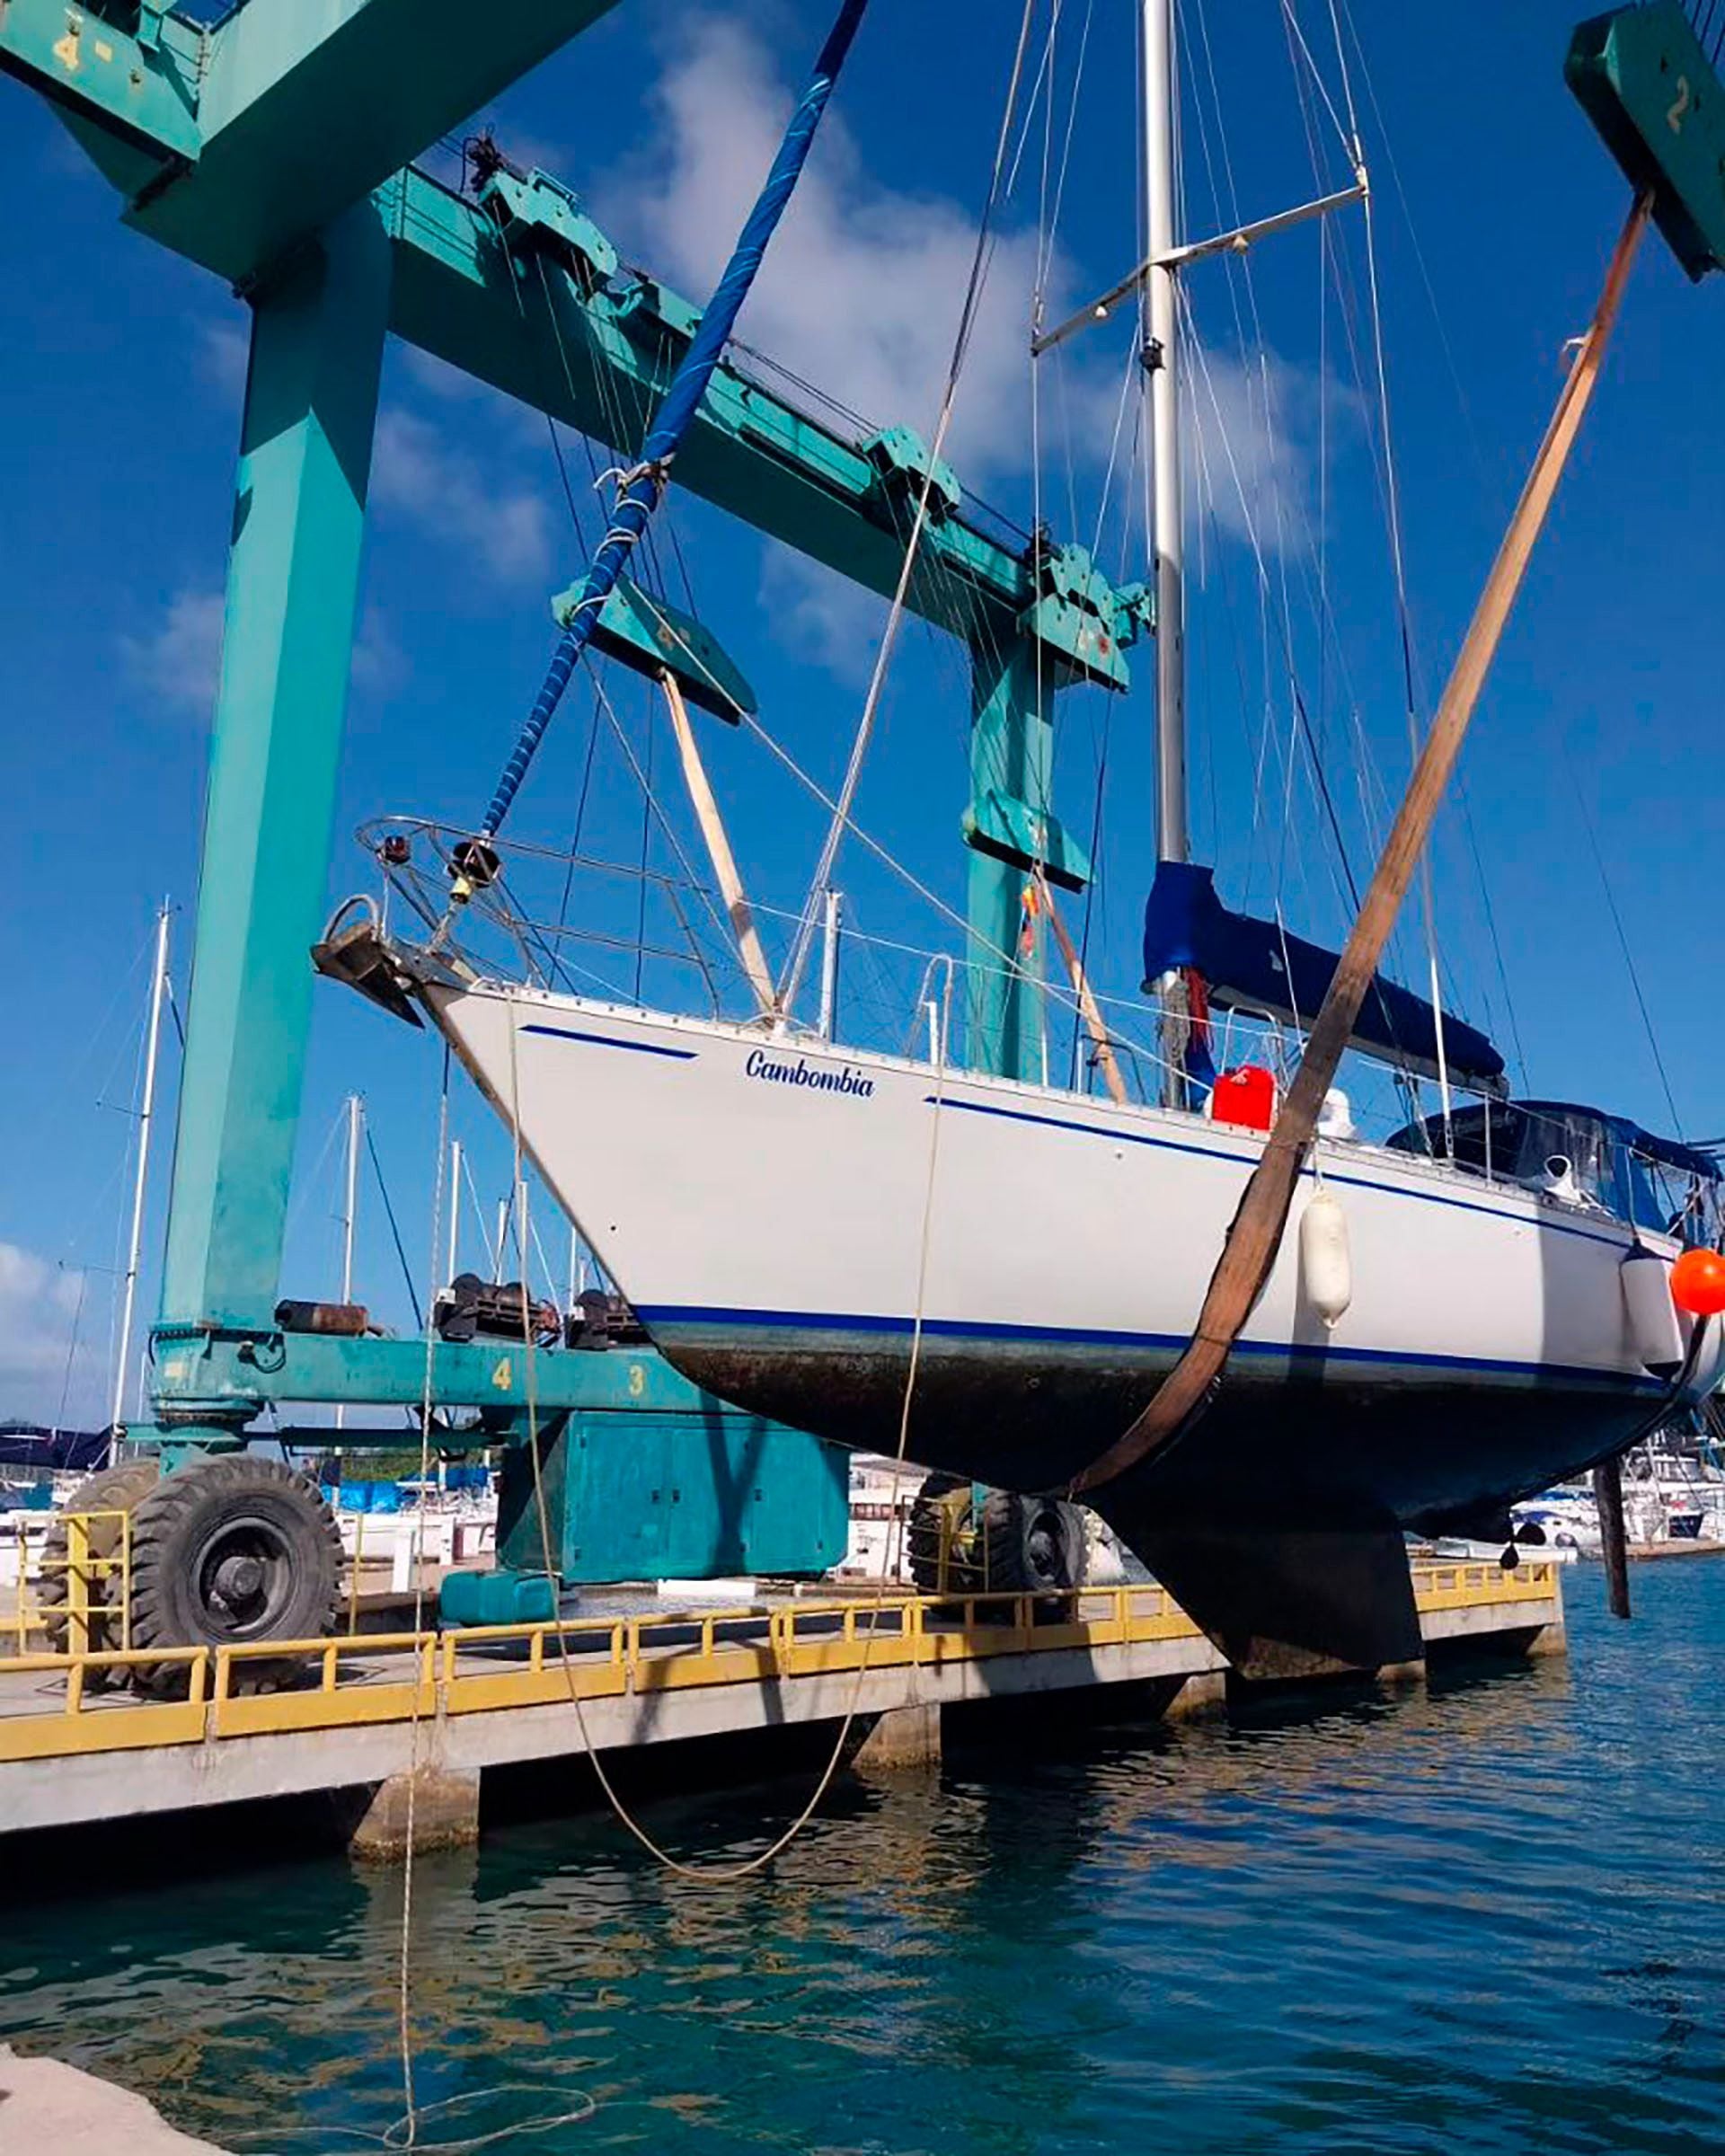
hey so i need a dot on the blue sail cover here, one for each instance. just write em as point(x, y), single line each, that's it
point(1251, 964)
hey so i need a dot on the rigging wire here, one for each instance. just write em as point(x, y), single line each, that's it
point(1489, 482)
point(1393, 499)
point(1373, 808)
point(1254, 364)
point(394, 1229)
point(1622, 938)
point(792, 975)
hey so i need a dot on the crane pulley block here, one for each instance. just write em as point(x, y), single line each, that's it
point(1079, 618)
point(1648, 86)
point(537, 210)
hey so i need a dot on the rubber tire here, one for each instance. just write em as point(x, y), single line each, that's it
point(1034, 1545)
point(922, 1542)
point(110, 1489)
point(173, 1522)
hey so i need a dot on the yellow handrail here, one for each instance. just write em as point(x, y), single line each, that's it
point(800, 1637)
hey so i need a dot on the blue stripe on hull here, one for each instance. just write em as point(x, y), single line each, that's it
point(1117, 1135)
point(814, 1331)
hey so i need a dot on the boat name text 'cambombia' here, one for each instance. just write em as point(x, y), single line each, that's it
point(802, 1072)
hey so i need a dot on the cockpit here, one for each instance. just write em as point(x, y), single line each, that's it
point(1579, 1155)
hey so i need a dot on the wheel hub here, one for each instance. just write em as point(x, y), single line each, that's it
point(242, 1576)
point(238, 1579)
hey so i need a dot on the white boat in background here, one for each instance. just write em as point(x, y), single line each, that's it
point(1669, 1495)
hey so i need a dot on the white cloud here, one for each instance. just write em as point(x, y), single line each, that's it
point(861, 289)
point(224, 349)
point(39, 1314)
point(380, 665)
point(1252, 447)
point(824, 616)
point(180, 659)
point(417, 474)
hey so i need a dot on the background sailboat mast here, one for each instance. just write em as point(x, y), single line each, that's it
point(141, 1180)
point(350, 1211)
point(1160, 92)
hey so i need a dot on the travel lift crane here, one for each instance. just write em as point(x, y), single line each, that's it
point(273, 147)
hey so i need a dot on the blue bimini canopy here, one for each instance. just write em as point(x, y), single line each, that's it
point(1249, 965)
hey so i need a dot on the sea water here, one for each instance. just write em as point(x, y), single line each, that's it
point(1488, 1914)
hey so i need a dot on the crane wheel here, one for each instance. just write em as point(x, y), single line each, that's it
point(1033, 1545)
point(228, 1550)
point(940, 1529)
point(111, 1490)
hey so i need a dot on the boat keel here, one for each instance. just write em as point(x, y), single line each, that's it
point(1283, 1602)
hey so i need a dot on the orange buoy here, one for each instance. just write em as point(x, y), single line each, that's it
point(1698, 1283)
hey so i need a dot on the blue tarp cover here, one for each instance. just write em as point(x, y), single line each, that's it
point(1255, 966)
point(31, 1445)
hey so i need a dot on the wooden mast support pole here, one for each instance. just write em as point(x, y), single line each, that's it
point(724, 865)
point(1255, 1234)
point(1107, 1062)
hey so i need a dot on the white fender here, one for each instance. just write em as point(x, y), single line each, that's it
point(1649, 1315)
point(1326, 1266)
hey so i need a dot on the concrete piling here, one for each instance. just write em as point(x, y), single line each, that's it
point(427, 1810)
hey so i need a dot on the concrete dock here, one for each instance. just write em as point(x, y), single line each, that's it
point(48, 2109)
point(367, 1712)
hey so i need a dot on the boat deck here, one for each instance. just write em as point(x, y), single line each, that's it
point(363, 1709)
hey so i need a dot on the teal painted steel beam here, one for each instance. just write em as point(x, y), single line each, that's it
point(228, 1377)
point(527, 296)
point(306, 108)
point(141, 103)
point(1011, 754)
point(293, 583)
point(1657, 102)
point(516, 294)
point(237, 142)
point(597, 359)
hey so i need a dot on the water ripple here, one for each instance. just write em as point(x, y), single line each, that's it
point(1485, 1913)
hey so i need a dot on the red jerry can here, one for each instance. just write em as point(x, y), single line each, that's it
point(1246, 1096)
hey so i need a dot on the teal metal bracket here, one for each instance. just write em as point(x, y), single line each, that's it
point(1081, 621)
point(540, 212)
point(1643, 80)
point(652, 637)
point(1000, 824)
point(656, 318)
point(903, 468)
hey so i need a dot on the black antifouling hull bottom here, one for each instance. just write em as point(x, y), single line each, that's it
point(1277, 1520)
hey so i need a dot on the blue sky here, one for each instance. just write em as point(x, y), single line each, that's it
point(1496, 209)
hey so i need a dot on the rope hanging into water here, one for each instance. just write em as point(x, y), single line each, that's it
point(640, 487)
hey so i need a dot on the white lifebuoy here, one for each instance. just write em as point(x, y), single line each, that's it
point(1326, 1266)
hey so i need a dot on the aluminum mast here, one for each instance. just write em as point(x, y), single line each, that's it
point(1161, 358)
point(140, 1184)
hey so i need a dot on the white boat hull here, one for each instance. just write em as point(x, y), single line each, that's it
point(763, 1205)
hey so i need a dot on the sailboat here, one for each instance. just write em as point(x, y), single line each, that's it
point(891, 1249)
